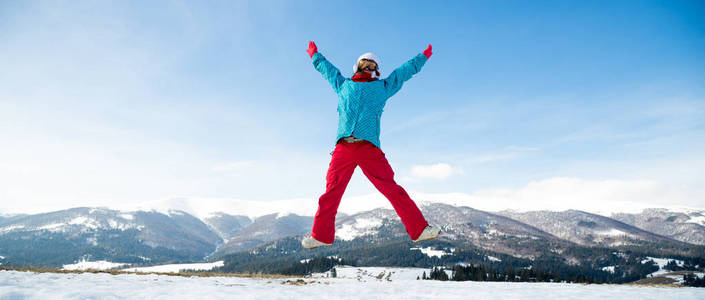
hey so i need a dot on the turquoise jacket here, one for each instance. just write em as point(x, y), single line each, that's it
point(360, 104)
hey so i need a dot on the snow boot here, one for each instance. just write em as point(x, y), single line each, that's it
point(429, 233)
point(309, 243)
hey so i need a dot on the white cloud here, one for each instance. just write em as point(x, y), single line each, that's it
point(203, 206)
point(557, 194)
point(437, 171)
point(563, 193)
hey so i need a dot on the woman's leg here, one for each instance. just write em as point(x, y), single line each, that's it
point(341, 168)
point(375, 166)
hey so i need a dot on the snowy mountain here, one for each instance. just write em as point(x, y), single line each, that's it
point(685, 226)
point(377, 238)
point(150, 237)
point(369, 223)
point(462, 224)
point(177, 230)
point(71, 221)
point(226, 225)
point(264, 229)
point(459, 224)
point(585, 228)
point(490, 231)
point(61, 237)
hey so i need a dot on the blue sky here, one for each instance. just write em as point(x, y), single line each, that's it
point(106, 103)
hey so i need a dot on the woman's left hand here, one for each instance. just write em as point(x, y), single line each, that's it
point(428, 52)
point(312, 49)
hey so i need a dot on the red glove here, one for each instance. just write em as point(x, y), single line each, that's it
point(311, 48)
point(428, 52)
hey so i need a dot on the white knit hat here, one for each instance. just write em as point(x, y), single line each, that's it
point(370, 56)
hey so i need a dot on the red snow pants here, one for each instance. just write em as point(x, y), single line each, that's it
point(371, 159)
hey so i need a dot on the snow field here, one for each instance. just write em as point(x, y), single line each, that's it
point(28, 285)
point(374, 273)
point(171, 268)
point(175, 268)
point(95, 265)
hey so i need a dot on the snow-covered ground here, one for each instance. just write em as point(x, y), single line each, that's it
point(374, 273)
point(171, 268)
point(95, 265)
point(175, 268)
point(402, 284)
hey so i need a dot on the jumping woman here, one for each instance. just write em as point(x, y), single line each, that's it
point(361, 100)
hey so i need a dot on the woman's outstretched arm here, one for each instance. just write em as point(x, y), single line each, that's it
point(401, 74)
point(328, 70)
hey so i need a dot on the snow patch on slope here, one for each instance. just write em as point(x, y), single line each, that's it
point(492, 258)
point(362, 226)
point(430, 252)
point(283, 214)
point(661, 262)
point(11, 228)
point(87, 222)
point(612, 232)
point(52, 227)
point(699, 219)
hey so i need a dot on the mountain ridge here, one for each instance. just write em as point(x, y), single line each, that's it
point(149, 237)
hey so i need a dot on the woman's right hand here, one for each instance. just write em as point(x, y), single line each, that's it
point(428, 52)
point(311, 48)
